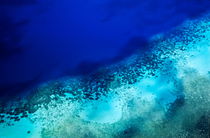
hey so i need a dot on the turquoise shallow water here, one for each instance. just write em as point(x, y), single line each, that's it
point(163, 94)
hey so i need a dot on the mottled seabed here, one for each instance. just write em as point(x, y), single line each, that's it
point(163, 94)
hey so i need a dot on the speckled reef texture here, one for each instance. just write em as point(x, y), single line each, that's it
point(163, 94)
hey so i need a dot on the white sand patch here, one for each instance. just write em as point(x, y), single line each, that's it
point(106, 111)
point(201, 61)
point(21, 129)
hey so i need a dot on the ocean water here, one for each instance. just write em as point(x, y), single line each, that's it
point(46, 40)
point(105, 69)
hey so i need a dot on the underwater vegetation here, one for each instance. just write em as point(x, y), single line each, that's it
point(164, 93)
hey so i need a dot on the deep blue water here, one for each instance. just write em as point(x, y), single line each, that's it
point(44, 40)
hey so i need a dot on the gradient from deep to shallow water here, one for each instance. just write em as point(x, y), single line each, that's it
point(44, 40)
point(165, 93)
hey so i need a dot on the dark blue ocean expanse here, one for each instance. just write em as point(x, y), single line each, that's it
point(44, 40)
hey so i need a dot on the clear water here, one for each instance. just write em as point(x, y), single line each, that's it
point(158, 88)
